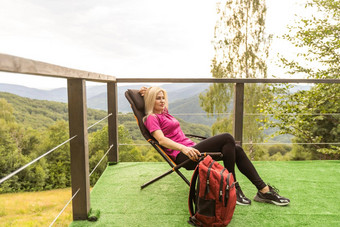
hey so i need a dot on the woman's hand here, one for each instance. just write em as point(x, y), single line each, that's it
point(191, 152)
point(142, 90)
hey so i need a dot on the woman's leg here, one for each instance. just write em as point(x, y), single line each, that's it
point(232, 154)
point(235, 154)
point(223, 143)
point(247, 168)
point(191, 165)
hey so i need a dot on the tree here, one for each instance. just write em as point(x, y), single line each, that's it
point(312, 116)
point(58, 162)
point(10, 157)
point(127, 152)
point(98, 145)
point(239, 41)
point(241, 49)
point(14, 142)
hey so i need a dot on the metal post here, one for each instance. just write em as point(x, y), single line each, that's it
point(112, 108)
point(79, 148)
point(238, 112)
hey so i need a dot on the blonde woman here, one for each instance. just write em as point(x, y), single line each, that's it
point(167, 131)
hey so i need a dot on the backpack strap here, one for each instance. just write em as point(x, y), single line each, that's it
point(221, 185)
point(208, 175)
point(192, 192)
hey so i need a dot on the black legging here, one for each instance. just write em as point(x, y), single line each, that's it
point(232, 154)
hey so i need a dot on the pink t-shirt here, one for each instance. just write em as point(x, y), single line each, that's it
point(170, 128)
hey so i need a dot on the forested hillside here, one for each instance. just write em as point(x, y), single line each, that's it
point(41, 113)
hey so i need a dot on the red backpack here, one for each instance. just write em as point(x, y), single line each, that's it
point(212, 198)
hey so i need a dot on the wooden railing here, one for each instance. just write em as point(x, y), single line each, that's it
point(77, 120)
point(78, 113)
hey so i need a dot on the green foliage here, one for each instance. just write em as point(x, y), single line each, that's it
point(312, 116)
point(127, 152)
point(6, 111)
point(282, 149)
point(300, 153)
point(40, 114)
point(270, 153)
point(12, 142)
point(318, 39)
point(58, 162)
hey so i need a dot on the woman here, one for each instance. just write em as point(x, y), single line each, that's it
point(166, 130)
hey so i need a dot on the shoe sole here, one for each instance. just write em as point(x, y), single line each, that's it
point(258, 199)
point(243, 204)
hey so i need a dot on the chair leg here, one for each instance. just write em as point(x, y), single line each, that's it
point(169, 172)
point(163, 175)
point(157, 178)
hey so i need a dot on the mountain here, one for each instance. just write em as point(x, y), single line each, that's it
point(97, 95)
point(183, 98)
point(176, 93)
point(58, 94)
point(180, 109)
point(42, 113)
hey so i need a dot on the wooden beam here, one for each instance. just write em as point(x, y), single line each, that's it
point(112, 108)
point(79, 148)
point(13, 64)
point(238, 113)
point(224, 80)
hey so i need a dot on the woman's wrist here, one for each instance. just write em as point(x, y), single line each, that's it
point(182, 148)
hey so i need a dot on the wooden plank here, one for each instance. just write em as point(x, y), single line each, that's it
point(224, 80)
point(238, 113)
point(112, 108)
point(79, 148)
point(13, 64)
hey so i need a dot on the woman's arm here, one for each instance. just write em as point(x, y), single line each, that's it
point(191, 152)
point(142, 90)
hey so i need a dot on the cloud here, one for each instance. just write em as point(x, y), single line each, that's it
point(119, 30)
point(122, 38)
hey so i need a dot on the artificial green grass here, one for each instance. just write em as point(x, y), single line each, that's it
point(312, 186)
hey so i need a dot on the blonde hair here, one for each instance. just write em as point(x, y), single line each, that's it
point(150, 99)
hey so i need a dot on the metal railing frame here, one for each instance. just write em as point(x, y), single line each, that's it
point(78, 113)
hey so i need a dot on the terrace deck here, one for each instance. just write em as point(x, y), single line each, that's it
point(312, 186)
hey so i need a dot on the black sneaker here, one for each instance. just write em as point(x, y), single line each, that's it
point(271, 197)
point(241, 199)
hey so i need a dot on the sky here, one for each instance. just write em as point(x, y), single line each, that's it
point(130, 38)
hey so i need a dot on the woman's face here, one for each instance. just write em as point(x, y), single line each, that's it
point(159, 103)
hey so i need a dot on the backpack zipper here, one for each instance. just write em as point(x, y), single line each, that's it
point(208, 175)
point(227, 190)
point(221, 185)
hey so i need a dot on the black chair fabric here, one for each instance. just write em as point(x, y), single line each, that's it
point(137, 105)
